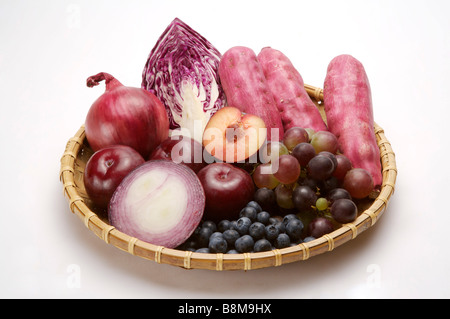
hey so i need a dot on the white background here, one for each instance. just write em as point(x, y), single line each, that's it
point(49, 48)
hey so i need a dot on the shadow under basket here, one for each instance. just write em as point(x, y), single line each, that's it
point(77, 153)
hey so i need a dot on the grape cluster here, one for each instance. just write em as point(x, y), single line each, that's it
point(312, 179)
point(304, 190)
point(255, 230)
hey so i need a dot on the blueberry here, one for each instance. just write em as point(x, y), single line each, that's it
point(244, 244)
point(255, 205)
point(288, 217)
point(243, 225)
point(263, 217)
point(271, 232)
point(203, 250)
point(262, 245)
point(281, 227)
point(249, 212)
point(309, 238)
point(203, 236)
point(257, 230)
point(282, 241)
point(223, 225)
point(209, 224)
point(230, 235)
point(218, 244)
point(232, 251)
point(294, 229)
point(215, 234)
point(273, 220)
point(190, 244)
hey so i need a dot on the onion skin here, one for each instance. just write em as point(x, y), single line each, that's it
point(126, 116)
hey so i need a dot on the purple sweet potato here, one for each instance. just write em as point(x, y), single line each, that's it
point(246, 88)
point(287, 87)
point(349, 111)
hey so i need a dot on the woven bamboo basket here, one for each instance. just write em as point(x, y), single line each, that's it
point(77, 152)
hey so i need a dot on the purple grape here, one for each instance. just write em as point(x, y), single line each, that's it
point(344, 210)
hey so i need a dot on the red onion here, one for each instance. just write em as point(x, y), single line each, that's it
point(160, 202)
point(125, 115)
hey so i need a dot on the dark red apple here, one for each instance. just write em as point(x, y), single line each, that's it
point(227, 189)
point(106, 168)
point(181, 149)
point(232, 136)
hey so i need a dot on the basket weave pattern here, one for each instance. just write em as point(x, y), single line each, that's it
point(73, 162)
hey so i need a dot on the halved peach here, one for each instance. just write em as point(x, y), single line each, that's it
point(232, 136)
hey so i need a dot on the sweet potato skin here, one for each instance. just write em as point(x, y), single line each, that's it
point(246, 88)
point(287, 87)
point(349, 111)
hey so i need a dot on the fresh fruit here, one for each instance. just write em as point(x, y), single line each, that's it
point(325, 141)
point(294, 229)
point(320, 168)
point(266, 198)
point(232, 136)
point(284, 197)
point(338, 193)
point(262, 245)
point(264, 178)
point(249, 211)
point(227, 189)
point(255, 205)
point(230, 235)
point(271, 232)
point(271, 151)
point(159, 202)
point(288, 170)
point(244, 244)
point(263, 217)
point(294, 136)
point(303, 152)
point(321, 203)
point(106, 168)
point(344, 210)
point(358, 182)
point(342, 167)
point(217, 244)
point(181, 149)
point(257, 230)
point(243, 225)
point(319, 227)
point(304, 198)
point(282, 241)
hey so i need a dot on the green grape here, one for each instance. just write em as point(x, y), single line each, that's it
point(288, 170)
point(325, 141)
point(295, 135)
point(263, 177)
point(284, 196)
point(322, 203)
point(271, 151)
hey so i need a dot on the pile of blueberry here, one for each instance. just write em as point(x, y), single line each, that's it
point(254, 231)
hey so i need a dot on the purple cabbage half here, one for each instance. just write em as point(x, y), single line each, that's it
point(182, 71)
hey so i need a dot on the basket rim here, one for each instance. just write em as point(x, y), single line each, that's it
point(219, 261)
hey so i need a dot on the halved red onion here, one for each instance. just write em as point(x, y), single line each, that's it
point(160, 202)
